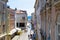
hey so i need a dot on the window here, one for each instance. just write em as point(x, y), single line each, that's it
point(3, 28)
point(23, 18)
point(58, 37)
point(3, 6)
point(20, 25)
point(17, 24)
point(58, 27)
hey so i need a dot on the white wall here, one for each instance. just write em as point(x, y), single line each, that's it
point(18, 18)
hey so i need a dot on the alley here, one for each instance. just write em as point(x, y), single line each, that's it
point(29, 19)
point(23, 36)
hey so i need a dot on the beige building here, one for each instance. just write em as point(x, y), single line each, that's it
point(21, 19)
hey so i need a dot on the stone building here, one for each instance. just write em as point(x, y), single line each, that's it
point(37, 7)
point(11, 20)
point(21, 19)
point(50, 18)
point(10, 23)
point(3, 6)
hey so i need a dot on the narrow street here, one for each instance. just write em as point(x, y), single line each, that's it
point(23, 36)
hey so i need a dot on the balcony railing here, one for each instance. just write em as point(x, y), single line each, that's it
point(56, 0)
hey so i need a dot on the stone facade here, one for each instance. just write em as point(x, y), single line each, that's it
point(50, 16)
point(11, 19)
point(3, 6)
point(37, 7)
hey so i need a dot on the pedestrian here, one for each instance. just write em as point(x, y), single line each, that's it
point(28, 36)
point(34, 36)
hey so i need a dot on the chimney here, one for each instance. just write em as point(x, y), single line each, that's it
point(15, 9)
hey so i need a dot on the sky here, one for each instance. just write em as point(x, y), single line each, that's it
point(27, 5)
point(29, 18)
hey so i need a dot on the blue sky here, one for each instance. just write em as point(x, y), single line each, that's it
point(27, 5)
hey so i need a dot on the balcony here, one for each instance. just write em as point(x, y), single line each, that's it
point(43, 9)
point(56, 2)
point(5, 0)
point(48, 4)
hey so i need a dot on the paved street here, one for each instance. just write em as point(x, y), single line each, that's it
point(23, 36)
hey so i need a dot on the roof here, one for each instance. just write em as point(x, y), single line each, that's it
point(11, 10)
point(21, 12)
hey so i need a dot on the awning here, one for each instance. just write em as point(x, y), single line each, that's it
point(19, 29)
point(2, 35)
point(12, 32)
